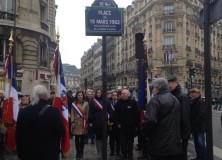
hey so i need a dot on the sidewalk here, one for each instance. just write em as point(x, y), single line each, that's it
point(90, 152)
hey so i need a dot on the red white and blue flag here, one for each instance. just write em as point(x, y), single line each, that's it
point(60, 101)
point(80, 113)
point(10, 105)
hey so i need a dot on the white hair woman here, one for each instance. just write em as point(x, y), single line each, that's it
point(39, 128)
point(38, 92)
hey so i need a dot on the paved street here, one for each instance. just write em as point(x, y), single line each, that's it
point(90, 151)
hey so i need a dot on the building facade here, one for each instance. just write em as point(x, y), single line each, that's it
point(91, 71)
point(72, 77)
point(34, 43)
point(175, 44)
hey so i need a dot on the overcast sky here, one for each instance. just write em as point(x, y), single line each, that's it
point(70, 20)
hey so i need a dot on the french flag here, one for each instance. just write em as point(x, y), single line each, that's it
point(10, 104)
point(60, 101)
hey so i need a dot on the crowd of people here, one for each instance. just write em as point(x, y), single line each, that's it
point(171, 116)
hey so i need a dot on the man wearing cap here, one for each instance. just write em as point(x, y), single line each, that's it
point(184, 100)
point(197, 125)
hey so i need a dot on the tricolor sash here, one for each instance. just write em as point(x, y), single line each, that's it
point(98, 105)
point(80, 113)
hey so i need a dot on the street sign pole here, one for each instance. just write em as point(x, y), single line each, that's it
point(104, 85)
point(104, 18)
point(207, 75)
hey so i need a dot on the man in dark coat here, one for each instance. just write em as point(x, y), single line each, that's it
point(114, 131)
point(162, 123)
point(197, 118)
point(127, 117)
point(39, 129)
point(184, 100)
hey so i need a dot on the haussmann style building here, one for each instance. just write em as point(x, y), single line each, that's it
point(175, 44)
point(35, 37)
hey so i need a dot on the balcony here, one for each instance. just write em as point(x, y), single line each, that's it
point(188, 48)
point(150, 35)
point(44, 26)
point(167, 47)
point(189, 63)
point(172, 30)
point(197, 51)
point(7, 16)
point(172, 62)
point(169, 12)
point(43, 63)
point(197, 35)
point(188, 32)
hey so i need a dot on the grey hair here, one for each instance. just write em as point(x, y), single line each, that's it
point(161, 83)
point(38, 92)
point(127, 91)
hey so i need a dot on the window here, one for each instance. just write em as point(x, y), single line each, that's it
point(4, 48)
point(43, 52)
point(43, 10)
point(169, 26)
point(169, 41)
point(6, 6)
point(169, 56)
point(168, 8)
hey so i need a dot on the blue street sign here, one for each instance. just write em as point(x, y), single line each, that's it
point(104, 21)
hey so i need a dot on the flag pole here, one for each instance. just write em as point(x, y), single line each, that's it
point(57, 46)
point(9, 81)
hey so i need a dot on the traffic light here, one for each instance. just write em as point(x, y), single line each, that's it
point(192, 73)
point(139, 45)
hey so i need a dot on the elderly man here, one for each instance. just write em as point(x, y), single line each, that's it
point(197, 118)
point(127, 117)
point(184, 100)
point(39, 128)
point(162, 123)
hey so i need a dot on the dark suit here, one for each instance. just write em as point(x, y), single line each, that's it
point(37, 136)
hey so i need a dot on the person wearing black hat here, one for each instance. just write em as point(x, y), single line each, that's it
point(184, 100)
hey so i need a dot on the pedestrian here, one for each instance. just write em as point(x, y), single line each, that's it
point(70, 100)
point(96, 120)
point(220, 103)
point(39, 128)
point(198, 120)
point(25, 101)
point(2, 127)
point(51, 98)
point(127, 117)
point(79, 117)
point(184, 100)
point(161, 124)
point(89, 99)
point(114, 131)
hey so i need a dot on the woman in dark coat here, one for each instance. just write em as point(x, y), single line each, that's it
point(96, 120)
